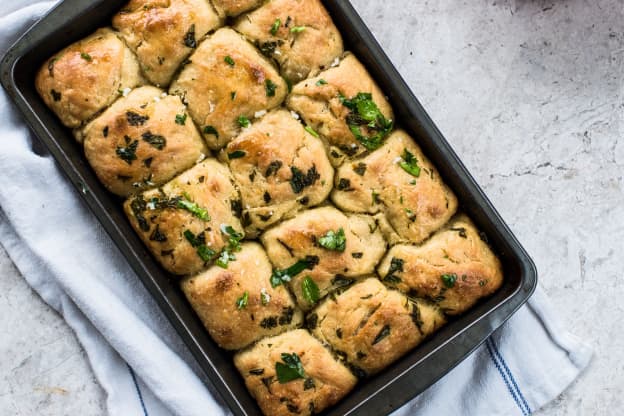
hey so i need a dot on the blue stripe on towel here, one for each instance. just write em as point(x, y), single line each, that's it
point(510, 375)
point(138, 390)
point(498, 365)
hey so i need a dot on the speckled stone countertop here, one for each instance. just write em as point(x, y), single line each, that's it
point(530, 95)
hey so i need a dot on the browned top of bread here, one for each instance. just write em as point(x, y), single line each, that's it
point(455, 267)
point(298, 34)
point(319, 101)
point(184, 223)
point(87, 76)
point(227, 79)
point(280, 169)
point(303, 238)
point(164, 32)
point(142, 141)
point(412, 206)
point(372, 326)
point(325, 382)
point(238, 305)
point(235, 7)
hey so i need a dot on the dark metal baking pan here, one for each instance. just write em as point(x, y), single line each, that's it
point(72, 20)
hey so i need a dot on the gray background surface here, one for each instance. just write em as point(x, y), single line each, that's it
point(530, 95)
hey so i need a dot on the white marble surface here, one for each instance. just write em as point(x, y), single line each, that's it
point(530, 94)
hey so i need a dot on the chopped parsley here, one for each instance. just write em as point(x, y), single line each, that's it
point(290, 369)
point(385, 331)
point(275, 26)
point(365, 113)
point(310, 290)
point(449, 279)
point(273, 167)
point(270, 87)
point(265, 298)
point(135, 119)
point(156, 140)
point(128, 153)
point(233, 245)
point(297, 29)
point(56, 96)
point(409, 163)
point(360, 168)
point(211, 130)
point(228, 60)
point(321, 82)
point(279, 277)
point(243, 121)
point(335, 241)
point(189, 38)
point(242, 301)
point(233, 95)
point(199, 243)
point(86, 56)
point(180, 119)
point(192, 207)
point(301, 180)
point(311, 131)
point(237, 154)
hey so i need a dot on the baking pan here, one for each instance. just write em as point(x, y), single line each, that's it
point(72, 20)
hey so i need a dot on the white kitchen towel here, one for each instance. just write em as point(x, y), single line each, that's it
point(66, 257)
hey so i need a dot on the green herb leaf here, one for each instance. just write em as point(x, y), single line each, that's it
point(234, 237)
point(242, 301)
point(243, 121)
point(199, 242)
point(335, 241)
point(385, 331)
point(409, 163)
point(449, 279)
point(291, 368)
point(193, 208)
point(205, 253)
point(265, 298)
point(189, 38)
point(311, 131)
point(128, 153)
point(86, 56)
point(211, 130)
point(156, 140)
point(270, 87)
point(310, 290)
point(297, 29)
point(228, 60)
point(321, 82)
point(224, 259)
point(237, 154)
point(275, 26)
point(366, 114)
point(233, 95)
point(180, 119)
point(300, 180)
point(279, 277)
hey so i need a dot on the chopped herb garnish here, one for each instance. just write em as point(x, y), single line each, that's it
point(310, 290)
point(228, 60)
point(135, 119)
point(237, 154)
point(284, 276)
point(297, 29)
point(321, 82)
point(311, 131)
point(273, 167)
point(375, 196)
point(357, 255)
point(341, 281)
point(265, 298)
point(267, 197)
point(211, 130)
point(242, 301)
point(56, 96)
point(396, 265)
point(156, 140)
point(291, 368)
point(275, 26)
point(344, 185)
point(270, 88)
point(360, 168)
point(180, 119)
point(128, 153)
point(335, 241)
point(105, 131)
point(243, 121)
point(193, 208)
point(409, 163)
point(309, 384)
point(268, 48)
point(199, 243)
point(410, 214)
point(224, 259)
point(189, 38)
point(233, 245)
point(299, 180)
point(233, 95)
point(86, 56)
point(461, 231)
point(385, 331)
point(158, 236)
point(365, 113)
point(449, 279)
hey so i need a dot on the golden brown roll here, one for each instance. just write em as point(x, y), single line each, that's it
point(163, 33)
point(455, 267)
point(189, 224)
point(238, 305)
point(142, 141)
point(87, 76)
point(338, 249)
point(323, 103)
point(280, 169)
point(298, 34)
point(398, 182)
point(293, 373)
point(370, 326)
point(226, 85)
point(235, 7)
